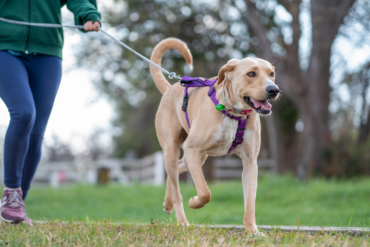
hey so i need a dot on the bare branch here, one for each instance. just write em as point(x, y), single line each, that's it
point(259, 30)
point(326, 19)
point(287, 4)
point(293, 7)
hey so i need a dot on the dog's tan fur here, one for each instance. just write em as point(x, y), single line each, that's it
point(211, 133)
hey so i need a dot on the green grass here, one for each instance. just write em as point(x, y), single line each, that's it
point(280, 201)
point(159, 234)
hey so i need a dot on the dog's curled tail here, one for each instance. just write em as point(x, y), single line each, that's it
point(171, 43)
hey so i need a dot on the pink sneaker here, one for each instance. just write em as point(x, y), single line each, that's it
point(12, 206)
point(27, 220)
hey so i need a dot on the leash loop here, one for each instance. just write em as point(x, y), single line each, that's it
point(173, 75)
point(170, 75)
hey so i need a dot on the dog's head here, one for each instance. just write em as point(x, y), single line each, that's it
point(252, 81)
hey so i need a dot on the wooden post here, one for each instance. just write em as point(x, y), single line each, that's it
point(103, 176)
point(54, 178)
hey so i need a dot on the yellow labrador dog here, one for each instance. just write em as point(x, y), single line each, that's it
point(246, 85)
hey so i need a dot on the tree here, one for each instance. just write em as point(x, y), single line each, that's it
point(307, 87)
point(359, 85)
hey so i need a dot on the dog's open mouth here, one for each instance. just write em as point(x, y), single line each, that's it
point(261, 107)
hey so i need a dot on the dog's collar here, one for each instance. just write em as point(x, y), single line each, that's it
point(231, 108)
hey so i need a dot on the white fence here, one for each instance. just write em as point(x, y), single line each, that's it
point(150, 170)
point(231, 168)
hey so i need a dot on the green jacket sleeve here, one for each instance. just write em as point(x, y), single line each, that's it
point(84, 11)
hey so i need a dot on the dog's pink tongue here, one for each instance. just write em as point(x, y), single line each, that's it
point(264, 104)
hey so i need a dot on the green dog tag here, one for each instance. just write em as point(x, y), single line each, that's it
point(220, 107)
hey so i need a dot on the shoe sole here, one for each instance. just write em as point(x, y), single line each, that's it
point(9, 221)
point(5, 220)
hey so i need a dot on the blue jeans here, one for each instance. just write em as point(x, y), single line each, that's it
point(28, 86)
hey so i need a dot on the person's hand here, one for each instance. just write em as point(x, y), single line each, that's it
point(89, 26)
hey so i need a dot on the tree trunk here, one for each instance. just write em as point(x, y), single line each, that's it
point(272, 133)
point(364, 130)
point(364, 127)
point(309, 90)
point(309, 142)
point(314, 106)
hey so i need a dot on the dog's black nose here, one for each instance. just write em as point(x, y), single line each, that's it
point(272, 91)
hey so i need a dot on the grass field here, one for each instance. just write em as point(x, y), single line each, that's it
point(280, 201)
point(159, 234)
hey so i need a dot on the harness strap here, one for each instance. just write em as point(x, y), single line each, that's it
point(241, 122)
point(187, 82)
point(239, 134)
point(185, 103)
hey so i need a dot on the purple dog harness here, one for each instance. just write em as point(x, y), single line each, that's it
point(187, 82)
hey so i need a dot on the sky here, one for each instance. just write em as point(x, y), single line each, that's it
point(79, 111)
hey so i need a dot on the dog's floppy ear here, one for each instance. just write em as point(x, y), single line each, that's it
point(229, 67)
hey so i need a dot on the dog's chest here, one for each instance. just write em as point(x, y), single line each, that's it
point(224, 136)
point(226, 131)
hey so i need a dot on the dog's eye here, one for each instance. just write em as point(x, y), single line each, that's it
point(251, 74)
point(272, 74)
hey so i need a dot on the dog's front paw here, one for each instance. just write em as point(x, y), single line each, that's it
point(167, 208)
point(257, 234)
point(195, 203)
point(184, 223)
point(253, 231)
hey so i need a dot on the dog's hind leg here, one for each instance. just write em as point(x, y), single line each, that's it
point(171, 154)
point(183, 166)
point(195, 160)
point(168, 205)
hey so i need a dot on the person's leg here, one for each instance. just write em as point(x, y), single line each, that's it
point(16, 94)
point(45, 74)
